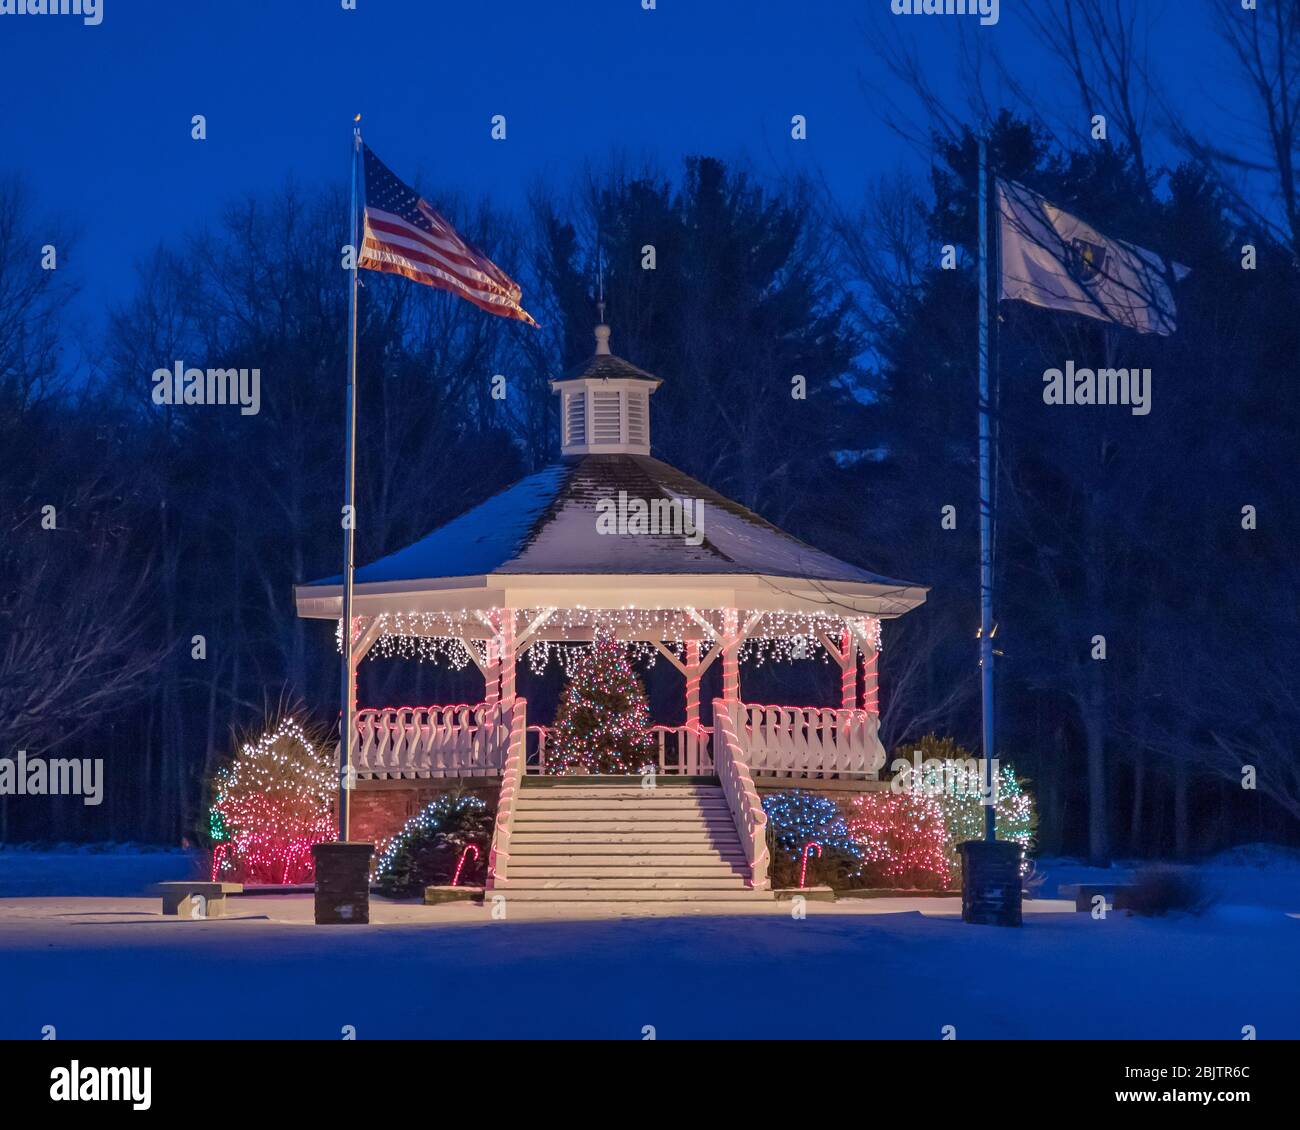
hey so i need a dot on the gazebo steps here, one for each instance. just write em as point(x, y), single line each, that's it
point(645, 870)
point(621, 893)
point(650, 882)
point(559, 803)
point(708, 846)
point(629, 810)
point(609, 783)
point(621, 843)
point(623, 826)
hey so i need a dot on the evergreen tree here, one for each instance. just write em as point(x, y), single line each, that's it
point(603, 724)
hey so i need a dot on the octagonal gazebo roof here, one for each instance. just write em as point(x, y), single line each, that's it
point(540, 543)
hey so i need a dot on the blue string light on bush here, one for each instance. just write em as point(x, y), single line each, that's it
point(798, 817)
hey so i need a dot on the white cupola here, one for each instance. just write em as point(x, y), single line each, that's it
point(605, 405)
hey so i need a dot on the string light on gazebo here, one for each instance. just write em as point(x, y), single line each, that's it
point(775, 635)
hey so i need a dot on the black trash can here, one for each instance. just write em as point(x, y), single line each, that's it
point(342, 882)
point(990, 882)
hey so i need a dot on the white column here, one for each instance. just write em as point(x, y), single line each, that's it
point(871, 681)
point(731, 655)
point(693, 705)
point(492, 674)
point(507, 658)
point(848, 671)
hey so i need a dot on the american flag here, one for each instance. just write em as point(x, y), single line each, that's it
point(404, 235)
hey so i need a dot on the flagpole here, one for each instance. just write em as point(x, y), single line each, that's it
point(986, 505)
point(349, 688)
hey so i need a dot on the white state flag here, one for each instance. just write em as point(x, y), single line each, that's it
point(1053, 259)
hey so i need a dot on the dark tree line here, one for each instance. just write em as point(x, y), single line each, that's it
point(157, 615)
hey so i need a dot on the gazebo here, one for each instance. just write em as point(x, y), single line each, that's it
point(610, 540)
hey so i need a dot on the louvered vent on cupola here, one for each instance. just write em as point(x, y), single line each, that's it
point(605, 405)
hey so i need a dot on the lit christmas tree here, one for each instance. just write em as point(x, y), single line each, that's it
point(603, 724)
point(271, 804)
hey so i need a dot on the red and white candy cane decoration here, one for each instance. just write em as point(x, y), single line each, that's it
point(468, 848)
point(803, 871)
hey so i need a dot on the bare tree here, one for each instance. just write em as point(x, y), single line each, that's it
point(1104, 46)
point(1264, 45)
point(33, 296)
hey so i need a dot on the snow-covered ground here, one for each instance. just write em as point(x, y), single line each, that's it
point(110, 966)
point(95, 869)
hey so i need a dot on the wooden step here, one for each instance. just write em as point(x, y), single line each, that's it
point(606, 816)
point(619, 781)
point(635, 835)
point(629, 883)
point(602, 867)
point(621, 804)
point(631, 894)
point(551, 795)
point(554, 845)
point(720, 835)
point(663, 835)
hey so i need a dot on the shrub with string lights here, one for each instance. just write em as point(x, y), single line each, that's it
point(796, 818)
point(271, 804)
point(603, 722)
point(958, 788)
point(961, 800)
point(901, 840)
point(428, 849)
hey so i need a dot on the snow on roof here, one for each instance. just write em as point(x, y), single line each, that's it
point(547, 523)
point(608, 366)
point(477, 542)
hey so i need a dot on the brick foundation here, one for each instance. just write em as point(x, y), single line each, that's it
point(380, 808)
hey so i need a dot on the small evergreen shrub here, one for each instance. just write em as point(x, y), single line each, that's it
point(426, 851)
point(796, 818)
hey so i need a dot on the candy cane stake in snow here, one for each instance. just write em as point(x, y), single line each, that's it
point(803, 871)
point(468, 848)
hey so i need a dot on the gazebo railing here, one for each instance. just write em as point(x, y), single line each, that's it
point(432, 741)
point(738, 787)
point(511, 780)
point(816, 742)
point(678, 750)
point(782, 742)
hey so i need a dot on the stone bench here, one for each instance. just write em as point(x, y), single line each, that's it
point(1115, 894)
point(196, 899)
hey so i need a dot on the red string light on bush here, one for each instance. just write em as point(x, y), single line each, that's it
point(272, 804)
point(902, 837)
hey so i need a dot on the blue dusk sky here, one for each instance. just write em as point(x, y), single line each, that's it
point(97, 119)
